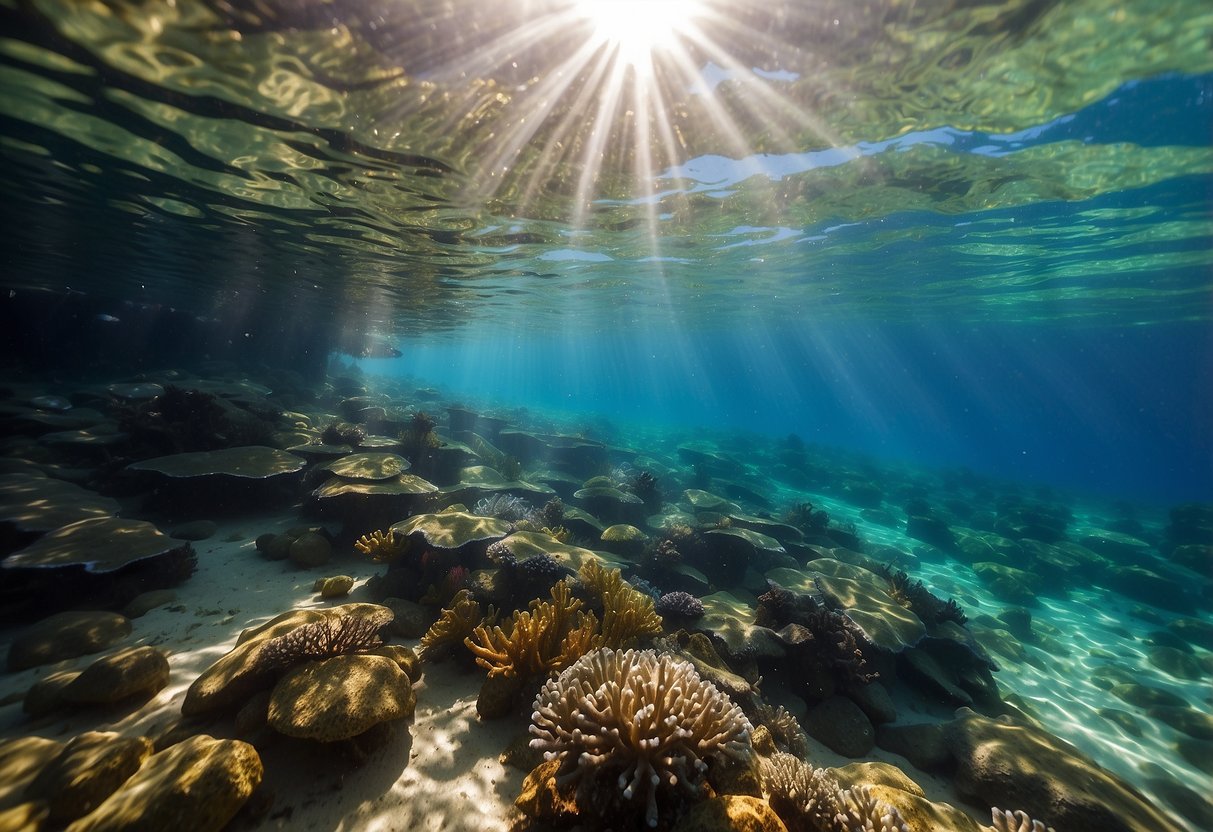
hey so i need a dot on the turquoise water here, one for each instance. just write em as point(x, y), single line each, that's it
point(961, 253)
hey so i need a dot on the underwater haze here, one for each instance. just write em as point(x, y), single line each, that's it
point(790, 306)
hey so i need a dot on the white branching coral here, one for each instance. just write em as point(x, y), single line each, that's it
point(646, 719)
point(864, 813)
point(804, 797)
point(1008, 821)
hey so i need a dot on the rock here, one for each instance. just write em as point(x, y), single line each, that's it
point(876, 773)
point(197, 530)
point(1008, 583)
point(406, 659)
point(1006, 763)
point(921, 815)
point(1194, 631)
point(730, 813)
point(336, 586)
point(1194, 556)
point(66, 635)
point(1145, 696)
point(89, 769)
point(274, 546)
point(145, 602)
point(253, 715)
point(411, 621)
point(543, 798)
point(923, 744)
point(199, 783)
point(46, 695)
point(1018, 621)
point(1197, 752)
point(1185, 720)
point(129, 672)
point(339, 698)
point(932, 530)
point(923, 670)
point(841, 726)
point(1115, 545)
point(1194, 806)
point(1178, 663)
point(310, 549)
point(24, 817)
point(498, 696)
point(1125, 720)
point(874, 700)
point(20, 761)
point(1149, 587)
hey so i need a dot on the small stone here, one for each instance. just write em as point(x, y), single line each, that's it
point(411, 621)
point(46, 695)
point(499, 695)
point(311, 550)
point(145, 602)
point(336, 586)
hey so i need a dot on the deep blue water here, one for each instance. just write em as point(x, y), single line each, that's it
point(1122, 412)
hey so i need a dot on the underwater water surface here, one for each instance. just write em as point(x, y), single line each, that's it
point(921, 287)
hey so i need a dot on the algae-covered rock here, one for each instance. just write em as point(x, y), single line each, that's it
point(199, 784)
point(102, 544)
point(333, 587)
point(89, 769)
point(368, 466)
point(341, 697)
point(1006, 763)
point(135, 670)
point(66, 635)
point(730, 813)
point(250, 462)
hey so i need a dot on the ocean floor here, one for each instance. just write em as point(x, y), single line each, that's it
point(1126, 680)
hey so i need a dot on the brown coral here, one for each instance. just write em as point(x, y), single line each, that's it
point(643, 721)
point(540, 640)
point(324, 639)
point(627, 613)
point(382, 547)
point(459, 619)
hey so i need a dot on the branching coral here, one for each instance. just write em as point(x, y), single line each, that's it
point(458, 620)
point(784, 728)
point(382, 547)
point(864, 813)
point(539, 641)
point(807, 799)
point(641, 720)
point(324, 639)
point(627, 613)
point(1008, 821)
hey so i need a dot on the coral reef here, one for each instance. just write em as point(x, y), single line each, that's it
point(383, 547)
point(785, 729)
point(807, 799)
point(643, 721)
point(681, 605)
point(627, 613)
point(504, 507)
point(827, 640)
point(459, 619)
point(342, 433)
point(864, 813)
point(542, 640)
point(914, 596)
point(1008, 821)
point(324, 639)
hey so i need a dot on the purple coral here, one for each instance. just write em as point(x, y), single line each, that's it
point(679, 605)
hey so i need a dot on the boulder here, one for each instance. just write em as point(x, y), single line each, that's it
point(840, 725)
point(1001, 762)
point(129, 672)
point(340, 698)
point(199, 783)
point(66, 635)
point(89, 769)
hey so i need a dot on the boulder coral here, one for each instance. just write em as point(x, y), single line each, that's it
point(645, 721)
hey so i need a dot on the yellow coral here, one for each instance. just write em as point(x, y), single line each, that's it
point(382, 547)
point(459, 620)
point(540, 640)
point(627, 613)
point(560, 533)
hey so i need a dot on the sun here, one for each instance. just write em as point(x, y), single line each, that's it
point(635, 29)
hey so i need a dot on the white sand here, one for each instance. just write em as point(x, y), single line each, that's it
point(442, 775)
